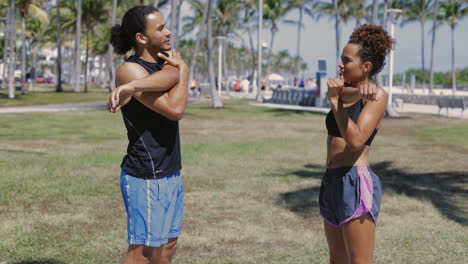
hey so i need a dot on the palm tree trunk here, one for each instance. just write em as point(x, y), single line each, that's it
point(216, 101)
point(422, 57)
point(298, 47)
point(270, 58)
point(174, 23)
point(23, 52)
point(33, 69)
point(6, 49)
point(201, 31)
point(384, 19)
point(434, 25)
point(337, 36)
point(110, 52)
point(375, 12)
point(252, 48)
point(225, 68)
point(86, 60)
point(101, 65)
point(59, 51)
point(76, 86)
point(454, 79)
point(12, 60)
point(176, 32)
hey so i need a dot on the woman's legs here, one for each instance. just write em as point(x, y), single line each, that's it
point(359, 237)
point(336, 246)
point(353, 242)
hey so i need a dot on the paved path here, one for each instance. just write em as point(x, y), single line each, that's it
point(406, 108)
point(53, 108)
point(293, 107)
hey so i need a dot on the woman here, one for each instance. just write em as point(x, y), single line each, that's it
point(350, 193)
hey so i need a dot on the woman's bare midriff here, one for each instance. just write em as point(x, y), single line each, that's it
point(339, 155)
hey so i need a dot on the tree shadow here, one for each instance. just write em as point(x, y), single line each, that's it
point(446, 190)
point(21, 151)
point(45, 261)
point(286, 112)
point(303, 202)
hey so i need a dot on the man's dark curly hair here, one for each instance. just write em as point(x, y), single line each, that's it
point(375, 44)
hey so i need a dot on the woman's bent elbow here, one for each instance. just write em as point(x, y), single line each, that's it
point(176, 115)
point(355, 146)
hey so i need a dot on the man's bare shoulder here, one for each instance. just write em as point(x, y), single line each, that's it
point(129, 71)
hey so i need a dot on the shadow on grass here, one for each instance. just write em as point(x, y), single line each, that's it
point(286, 112)
point(446, 190)
point(20, 151)
point(45, 261)
point(303, 202)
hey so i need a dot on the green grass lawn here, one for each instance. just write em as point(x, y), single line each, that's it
point(252, 178)
point(46, 94)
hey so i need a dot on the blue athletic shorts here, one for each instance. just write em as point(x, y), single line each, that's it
point(155, 208)
point(348, 193)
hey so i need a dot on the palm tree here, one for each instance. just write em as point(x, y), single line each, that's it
point(35, 30)
point(175, 18)
point(198, 19)
point(93, 14)
point(452, 11)
point(375, 12)
point(110, 48)
point(77, 70)
point(12, 59)
point(249, 7)
point(419, 10)
point(99, 47)
point(303, 6)
point(5, 26)
point(435, 16)
point(59, 50)
point(26, 8)
point(226, 20)
point(341, 10)
point(216, 101)
point(273, 11)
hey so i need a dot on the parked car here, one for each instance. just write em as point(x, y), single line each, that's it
point(41, 79)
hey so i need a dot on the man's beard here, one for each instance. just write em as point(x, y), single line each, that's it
point(156, 47)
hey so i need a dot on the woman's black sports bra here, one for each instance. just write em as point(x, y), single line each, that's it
point(353, 112)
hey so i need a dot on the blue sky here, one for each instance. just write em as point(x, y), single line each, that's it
point(318, 41)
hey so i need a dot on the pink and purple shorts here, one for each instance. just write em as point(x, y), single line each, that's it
point(348, 193)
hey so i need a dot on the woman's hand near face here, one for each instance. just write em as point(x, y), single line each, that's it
point(368, 91)
point(335, 86)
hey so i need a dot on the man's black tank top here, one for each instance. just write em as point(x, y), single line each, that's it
point(353, 112)
point(154, 148)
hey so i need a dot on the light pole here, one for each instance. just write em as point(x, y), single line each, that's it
point(220, 39)
point(393, 18)
point(259, 50)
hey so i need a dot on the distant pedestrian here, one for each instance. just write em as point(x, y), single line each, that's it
point(193, 86)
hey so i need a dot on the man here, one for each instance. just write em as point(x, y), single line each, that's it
point(152, 97)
